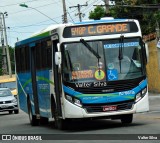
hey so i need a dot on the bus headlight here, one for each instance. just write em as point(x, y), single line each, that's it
point(74, 100)
point(77, 102)
point(138, 97)
point(69, 98)
point(141, 94)
point(144, 91)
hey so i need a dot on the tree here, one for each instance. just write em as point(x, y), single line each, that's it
point(98, 12)
point(147, 16)
point(11, 52)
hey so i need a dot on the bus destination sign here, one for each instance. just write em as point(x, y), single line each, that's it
point(100, 29)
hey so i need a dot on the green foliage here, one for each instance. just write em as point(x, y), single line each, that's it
point(97, 13)
point(11, 52)
point(148, 17)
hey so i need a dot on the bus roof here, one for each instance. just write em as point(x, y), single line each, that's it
point(49, 28)
point(46, 32)
point(39, 35)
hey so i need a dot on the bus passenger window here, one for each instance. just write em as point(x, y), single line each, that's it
point(38, 56)
point(49, 57)
point(49, 53)
point(46, 54)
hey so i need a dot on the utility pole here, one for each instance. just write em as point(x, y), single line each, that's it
point(7, 48)
point(65, 20)
point(157, 30)
point(107, 6)
point(4, 60)
point(79, 10)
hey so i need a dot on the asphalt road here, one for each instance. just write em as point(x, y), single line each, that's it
point(144, 123)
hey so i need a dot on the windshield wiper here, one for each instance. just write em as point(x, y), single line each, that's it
point(90, 48)
point(96, 54)
point(69, 59)
point(121, 46)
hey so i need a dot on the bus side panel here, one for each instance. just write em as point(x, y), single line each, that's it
point(43, 87)
point(24, 89)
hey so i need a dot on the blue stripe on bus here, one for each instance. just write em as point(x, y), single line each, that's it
point(43, 88)
point(106, 97)
point(71, 91)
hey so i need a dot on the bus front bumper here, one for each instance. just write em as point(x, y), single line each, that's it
point(73, 111)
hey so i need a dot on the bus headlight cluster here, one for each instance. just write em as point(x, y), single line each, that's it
point(141, 94)
point(74, 100)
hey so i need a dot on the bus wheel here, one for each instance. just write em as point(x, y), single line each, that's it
point(44, 121)
point(59, 123)
point(32, 118)
point(127, 119)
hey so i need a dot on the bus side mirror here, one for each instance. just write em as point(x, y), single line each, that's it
point(58, 58)
point(147, 52)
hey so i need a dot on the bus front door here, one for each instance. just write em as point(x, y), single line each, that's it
point(57, 86)
point(34, 82)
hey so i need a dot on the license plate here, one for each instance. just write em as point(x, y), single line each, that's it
point(109, 108)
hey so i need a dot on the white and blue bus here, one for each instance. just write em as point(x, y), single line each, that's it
point(91, 69)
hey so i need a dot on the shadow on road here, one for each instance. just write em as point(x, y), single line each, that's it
point(76, 126)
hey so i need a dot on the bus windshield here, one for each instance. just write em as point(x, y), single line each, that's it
point(120, 60)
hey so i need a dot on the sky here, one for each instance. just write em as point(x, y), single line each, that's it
point(22, 22)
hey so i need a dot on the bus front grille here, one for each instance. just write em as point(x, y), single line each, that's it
point(100, 108)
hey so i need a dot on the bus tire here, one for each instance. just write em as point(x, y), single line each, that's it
point(58, 122)
point(32, 118)
point(56, 119)
point(127, 119)
point(53, 106)
point(61, 124)
point(44, 121)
